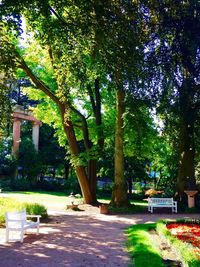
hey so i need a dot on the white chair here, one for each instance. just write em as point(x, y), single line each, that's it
point(17, 221)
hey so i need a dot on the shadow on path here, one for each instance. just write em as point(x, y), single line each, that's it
point(76, 239)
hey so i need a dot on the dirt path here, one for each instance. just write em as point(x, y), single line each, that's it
point(75, 239)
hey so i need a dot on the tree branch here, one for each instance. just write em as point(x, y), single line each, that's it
point(98, 115)
point(39, 84)
point(92, 100)
point(86, 138)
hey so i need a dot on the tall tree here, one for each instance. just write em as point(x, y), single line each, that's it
point(53, 26)
point(174, 53)
point(119, 31)
point(88, 44)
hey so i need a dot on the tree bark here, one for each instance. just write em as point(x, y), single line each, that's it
point(74, 149)
point(92, 176)
point(119, 193)
point(186, 171)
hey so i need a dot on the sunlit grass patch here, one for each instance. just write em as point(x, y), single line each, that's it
point(143, 252)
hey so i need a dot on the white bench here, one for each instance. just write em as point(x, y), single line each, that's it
point(17, 221)
point(162, 203)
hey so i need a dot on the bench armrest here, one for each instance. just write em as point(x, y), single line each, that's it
point(34, 216)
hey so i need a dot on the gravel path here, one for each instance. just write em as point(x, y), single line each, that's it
point(76, 239)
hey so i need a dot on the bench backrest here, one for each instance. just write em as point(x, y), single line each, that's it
point(161, 200)
point(15, 216)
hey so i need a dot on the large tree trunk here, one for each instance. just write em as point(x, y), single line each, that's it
point(119, 193)
point(74, 149)
point(186, 172)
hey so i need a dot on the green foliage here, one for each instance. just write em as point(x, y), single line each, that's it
point(51, 153)
point(21, 184)
point(72, 185)
point(5, 109)
point(191, 210)
point(36, 209)
point(8, 162)
point(5, 184)
point(132, 209)
point(53, 186)
point(69, 45)
point(29, 161)
point(168, 185)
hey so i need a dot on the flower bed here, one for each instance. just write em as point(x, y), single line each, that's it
point(187, 232)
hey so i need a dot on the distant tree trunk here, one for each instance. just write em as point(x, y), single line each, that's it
point(119, 193)
point(95, 99)
point(130, 185)
point(66, 170)
point(92, 176)
point(186, 172)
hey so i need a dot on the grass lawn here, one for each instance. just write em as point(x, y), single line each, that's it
point(58, 200)
point(140, 247)
point(51, 200)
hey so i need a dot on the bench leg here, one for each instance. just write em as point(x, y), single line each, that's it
point(174, 209)
point(38, 229)
point(22, 236)
point(7, 235)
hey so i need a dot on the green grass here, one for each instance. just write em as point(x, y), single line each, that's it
point(142, 251)
point(53, 200)
point(138, 206)
point(59, 201)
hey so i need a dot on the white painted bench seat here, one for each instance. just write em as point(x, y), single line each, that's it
point(162, 203)
point(17, 221)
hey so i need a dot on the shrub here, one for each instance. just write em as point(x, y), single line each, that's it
point(8, 161)
point(21, 184)
point(5, 184)
point(72, 185)
point(35, 209)
point(52, 186)
point(29, 161)
point(10, 204)
point(139, 196)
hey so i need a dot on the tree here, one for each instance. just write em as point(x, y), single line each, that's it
point(88, 45)
point(48, 27)
point(5, 107)
point(174, 53)
point(118, 22)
